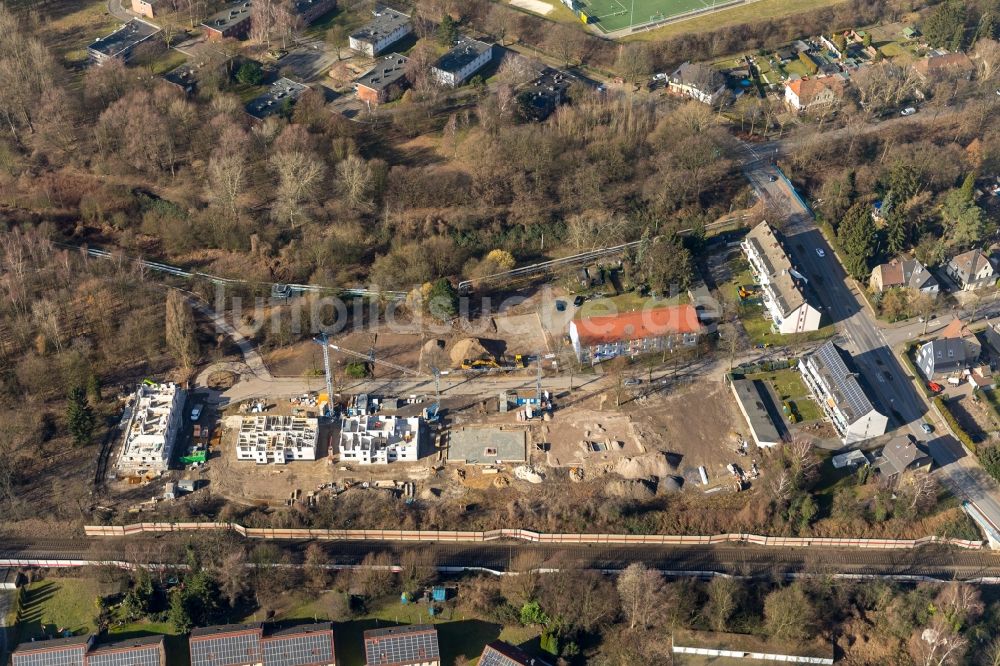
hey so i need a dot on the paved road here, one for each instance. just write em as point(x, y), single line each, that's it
point(742, 560)
point(881, 372)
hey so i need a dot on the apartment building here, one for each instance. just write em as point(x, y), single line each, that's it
point(782, 285)
point(277, 439)
point(841, 397)
point(154, 420)
point(378, 439)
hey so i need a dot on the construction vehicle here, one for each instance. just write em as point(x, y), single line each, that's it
point(481, 363)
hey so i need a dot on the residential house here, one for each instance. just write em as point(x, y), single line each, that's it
point(386, 28)
point(413, 645)
point(908, 273)
point(781, 284)
point(279, 98)
point(465, 59)
point(753, 399)
point(122, 42)
point(377, 439)
point(601, 338)
point(257, 644)
point(86, 651)
point(785, 54)
point(147, 8)
point(384, 82)
point(948, 65)
point(231, 22)
point(499, 653)
point(941, 357)
point(811, 94)
point(277, 439)
point(698, 81)
point(904, 454)
point(310, 10)
point(971, 270)
point(154, 417)
point(838, 392)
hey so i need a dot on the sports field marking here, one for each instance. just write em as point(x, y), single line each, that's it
point(534, 6)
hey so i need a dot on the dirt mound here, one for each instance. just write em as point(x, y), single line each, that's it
point(466, 348)
point(648, 466)
point(432, 354)
point(670, 484)
point(625, 489)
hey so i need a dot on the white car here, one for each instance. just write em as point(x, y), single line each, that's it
point(908, 111)
point(196, 412)
point(820, 253)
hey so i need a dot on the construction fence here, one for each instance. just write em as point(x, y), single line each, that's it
point(530, 536)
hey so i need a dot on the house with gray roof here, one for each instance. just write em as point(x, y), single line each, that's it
point(256, 644)
point(843, 400)
point(499, 653)
point(781, 284)
point(971, 270)
point(280, 97)
point(940, 357)
point(384, 82)
point(387, 27)
point(753, 400)
point(905, 273)
point(903, 454)
point(413, 645)
point(698, 81)
point(465, 59)
point(233, 21)
point(122, 42)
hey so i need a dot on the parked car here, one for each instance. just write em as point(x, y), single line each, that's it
point(578, 301)
point(820, 253)
point(908, 111)
point(772, 179)
point(561, 306)
point(196, 411)
point(633, 381)
point(927, 427)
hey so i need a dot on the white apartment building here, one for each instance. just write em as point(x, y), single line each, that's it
point(277, 439)
point(377, 439)
point(460, 63)
point(841, 397)
point(387, 28)
point(153, 424)
point(783, 295)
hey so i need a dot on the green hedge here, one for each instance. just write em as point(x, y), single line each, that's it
point(952, 422)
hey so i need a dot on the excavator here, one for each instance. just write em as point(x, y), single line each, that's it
point(487, 362)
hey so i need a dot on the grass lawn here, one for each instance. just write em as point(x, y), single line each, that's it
point(559, 12)
point(76, 25)
point(758, 328)
point(796, 67)
point(612, 15)
point(630, 301)
point(789, 386)
point(892, 49)
point(170, 60)
point(58, 605)
point(748, 13)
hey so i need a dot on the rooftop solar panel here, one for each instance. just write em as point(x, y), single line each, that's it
point(499, 653)
point(842, 381)
point(299, 649)
point(234, 649)
point(397, 646)
point(48, 653)
point(145, 655)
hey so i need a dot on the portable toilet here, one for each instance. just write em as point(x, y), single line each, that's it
point(439, 593)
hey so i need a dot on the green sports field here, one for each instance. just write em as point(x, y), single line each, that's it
point(612, 15)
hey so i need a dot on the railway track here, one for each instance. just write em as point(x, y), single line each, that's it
point(939, 562)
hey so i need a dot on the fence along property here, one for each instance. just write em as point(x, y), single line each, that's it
point(527, 535)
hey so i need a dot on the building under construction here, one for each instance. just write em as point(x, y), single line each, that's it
point(277, 439)
point(154, 419)
point(378, 439)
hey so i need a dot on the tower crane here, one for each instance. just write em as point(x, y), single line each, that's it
point(370, 358)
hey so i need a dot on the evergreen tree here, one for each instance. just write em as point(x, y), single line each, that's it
point(895, 234)
point(857, 237)
point(80, 416)
point(945, 27)
point(442, 300)
point(447, 31)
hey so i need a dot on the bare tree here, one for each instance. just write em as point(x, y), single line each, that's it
point(356, 180)
point(565, 42)
point(638, 587)
point(180, 330)
point(299, 178)
point(988, 59)
point(227, 169)
point(499, 23)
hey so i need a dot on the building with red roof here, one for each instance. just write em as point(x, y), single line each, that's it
point(600, 338)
